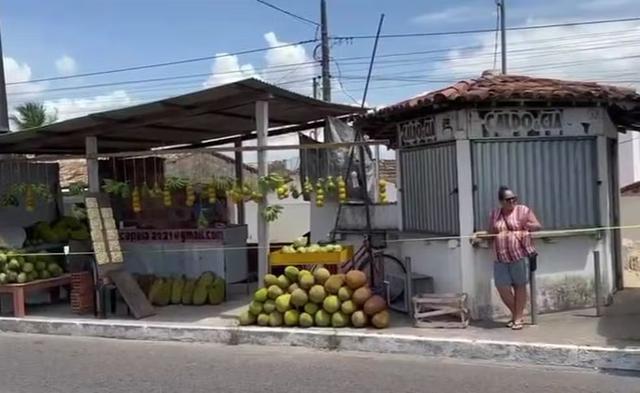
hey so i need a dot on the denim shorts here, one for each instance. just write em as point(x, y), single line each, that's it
point(509, 274)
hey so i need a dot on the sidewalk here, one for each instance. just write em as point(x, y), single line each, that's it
point(574, 338)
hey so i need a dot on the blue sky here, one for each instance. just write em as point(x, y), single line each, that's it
point(51, 38)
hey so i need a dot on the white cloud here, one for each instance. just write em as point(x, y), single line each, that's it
point(289, 66)
point(448, 15)
point(593, 52)
point(16, 72)
point(227, 69)
point(67, 108)
point(66, 65)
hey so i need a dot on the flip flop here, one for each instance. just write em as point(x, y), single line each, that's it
point(509, 324)
point(517, 325)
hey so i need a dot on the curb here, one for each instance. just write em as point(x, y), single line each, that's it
point(340, 340)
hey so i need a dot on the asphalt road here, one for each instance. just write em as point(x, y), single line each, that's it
point(35, 364)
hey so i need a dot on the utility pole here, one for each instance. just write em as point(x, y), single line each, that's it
point(315, 87)
point(326, 73)
point(4, 111)
point(503, 34)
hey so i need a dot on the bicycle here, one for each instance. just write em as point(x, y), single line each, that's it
point(386, 274)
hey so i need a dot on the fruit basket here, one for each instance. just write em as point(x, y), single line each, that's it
point(280, 258)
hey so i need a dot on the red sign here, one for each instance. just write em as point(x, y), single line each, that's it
point(169, 235)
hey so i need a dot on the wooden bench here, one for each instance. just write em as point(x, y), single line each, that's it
point(18, 292)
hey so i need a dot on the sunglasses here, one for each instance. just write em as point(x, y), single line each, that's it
point(511, 200)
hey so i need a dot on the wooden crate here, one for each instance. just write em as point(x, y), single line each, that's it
point(447, 310)
point(278, 258)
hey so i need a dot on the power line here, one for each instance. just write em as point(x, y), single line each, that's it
point(165, 64)
point(488, 30)
point(303, 19)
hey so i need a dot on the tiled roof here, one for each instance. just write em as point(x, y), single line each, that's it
point(631, 189)
point(492, 87)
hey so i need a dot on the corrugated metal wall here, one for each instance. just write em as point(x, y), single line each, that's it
point(557, 178)
point(429, 189)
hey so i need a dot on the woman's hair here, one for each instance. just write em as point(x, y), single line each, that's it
point(502, 191)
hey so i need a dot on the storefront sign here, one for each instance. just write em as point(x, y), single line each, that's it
point(417, 132)
point(169, 235)
point(523, 122)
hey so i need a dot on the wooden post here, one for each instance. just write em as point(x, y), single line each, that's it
point(262, 129)
point(91, 151)
point(240, 217)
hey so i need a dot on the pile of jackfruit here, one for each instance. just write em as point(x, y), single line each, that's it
point(60, 231)
point(162, 291)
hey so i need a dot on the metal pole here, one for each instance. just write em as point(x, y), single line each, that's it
point(533, 299)
point(315, 87)
point(373, 59)
point(598, 282)
point(376, 175)
point(240, 180)
point(503, 34)
point(326, 73)
point(4, 111)
point(262, 127)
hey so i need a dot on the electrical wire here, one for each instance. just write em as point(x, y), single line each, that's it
point(300, 18)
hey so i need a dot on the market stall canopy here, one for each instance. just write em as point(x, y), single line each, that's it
point(216, 113)
point(492, 89)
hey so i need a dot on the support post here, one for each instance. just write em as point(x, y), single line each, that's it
point(262, 128)
point(240, 216)
point(466, 223)
point(376, 175)
point(503, 36)
point(91, 150)
point(324, 33)
point(4, 110)
point(597, 282)
point(533, 298)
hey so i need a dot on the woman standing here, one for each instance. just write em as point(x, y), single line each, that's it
point(511, 225)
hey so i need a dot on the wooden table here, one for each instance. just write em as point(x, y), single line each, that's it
point(19, 291)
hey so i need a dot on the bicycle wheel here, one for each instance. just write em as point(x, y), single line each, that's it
point(393, 274)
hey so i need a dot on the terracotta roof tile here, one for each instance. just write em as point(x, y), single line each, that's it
point(511, 87)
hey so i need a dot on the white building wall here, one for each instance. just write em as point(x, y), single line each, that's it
point(629, 161)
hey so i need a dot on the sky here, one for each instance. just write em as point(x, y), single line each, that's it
point(44, 39)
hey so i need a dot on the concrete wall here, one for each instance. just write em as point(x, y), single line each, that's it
point(630, 215)
point(629, 162)
point(293, 222)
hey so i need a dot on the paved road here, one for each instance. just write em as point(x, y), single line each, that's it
point(36, 364)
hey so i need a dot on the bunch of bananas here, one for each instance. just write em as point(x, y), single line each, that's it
point(382, 190)
point(307, 188)
point(283, 191)
point(136, 202)
point(272, 212)
point(211, 192)
point(342, 190)
point(167, 200)
point(116, 188)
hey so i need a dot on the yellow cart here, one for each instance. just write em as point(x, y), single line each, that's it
point(279, 258)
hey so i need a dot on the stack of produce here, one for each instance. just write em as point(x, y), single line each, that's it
point(60, 231)
point(302, 298)
point(300, 246)
point(162, 291)
point(15, 268)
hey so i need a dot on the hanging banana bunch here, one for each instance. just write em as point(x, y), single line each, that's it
point(166, 196)
point(212, 191)
point(156, 191)
point(282, 191)
point(136, 203)
point(191, 194)
point(330, 185)
point(30, 198)
point(272, 212)
point(382, 190)
point(294, 191)
point(342, 190)
point(307, 188)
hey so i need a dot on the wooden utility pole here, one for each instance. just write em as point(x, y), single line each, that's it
point(326, 58)
point(503, 35)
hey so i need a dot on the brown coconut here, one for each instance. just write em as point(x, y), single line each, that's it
point(355, 279)
point(374, 305)
point(361, 295)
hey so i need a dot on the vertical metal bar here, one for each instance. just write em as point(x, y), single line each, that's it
point(376, 181)
point(326, 73)
point(262, 129)
point(597, 282)
point(533, 298)
point(503, 35)
point(239, 163)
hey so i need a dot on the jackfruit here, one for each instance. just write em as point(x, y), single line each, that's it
point(176, 290)
point(291, 318)
point(164, 294)
point(154, 292)
point(206, 279)
point(187, 292)
point(200, 294)
point(217, 291)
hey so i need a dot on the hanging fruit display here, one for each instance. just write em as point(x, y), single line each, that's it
point(136, 202)
point(294, 192)
point(307, 188)
point(156, 191)
point(116, 188)
point(212, 192)
point(29, 199)
point(330, 185)
point(382, 190)
point(342, 190)
point(320, 192)
point(283, 191)
point(272, 212)
point(166, 196)
point(190, 194)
